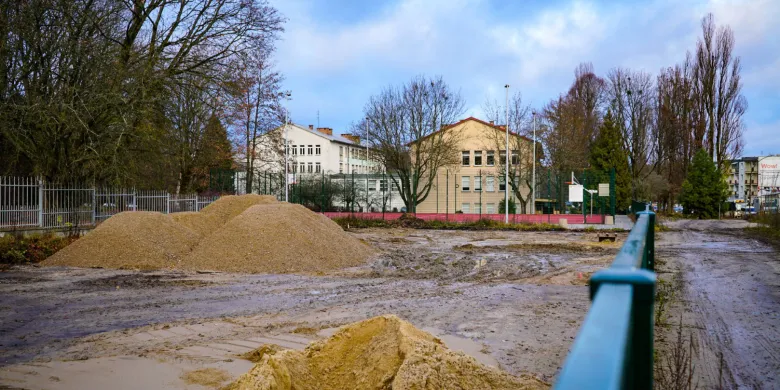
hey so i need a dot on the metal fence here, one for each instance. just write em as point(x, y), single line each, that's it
point(32, 203)
point(614, 349)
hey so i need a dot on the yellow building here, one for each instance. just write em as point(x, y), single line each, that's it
point(475, 185)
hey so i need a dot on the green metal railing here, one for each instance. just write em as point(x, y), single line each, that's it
point(614, 349)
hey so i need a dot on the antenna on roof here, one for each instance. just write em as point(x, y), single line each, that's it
point(318, 118)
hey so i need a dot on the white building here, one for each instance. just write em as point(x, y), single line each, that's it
point(315, 151)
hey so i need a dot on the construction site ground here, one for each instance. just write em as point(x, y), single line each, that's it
point(514, 300)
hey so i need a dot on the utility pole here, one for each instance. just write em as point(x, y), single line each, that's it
point(286, 151)
point(506, 163)
point(365, 161)
point(533, 170)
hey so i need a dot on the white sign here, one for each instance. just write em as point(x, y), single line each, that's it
point(290, 178)
point(575, 193)
point(603, 189)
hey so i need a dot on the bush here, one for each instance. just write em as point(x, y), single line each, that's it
point(15, 249)
point(410, 221)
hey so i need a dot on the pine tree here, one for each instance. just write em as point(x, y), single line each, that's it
point(704, 188)
point(607, 153)
point(215, 153)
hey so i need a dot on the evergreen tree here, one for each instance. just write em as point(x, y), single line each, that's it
point(607, 153)
point(215, 154)
point(704, 188)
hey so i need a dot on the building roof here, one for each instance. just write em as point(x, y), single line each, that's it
point(333, 138)
point(480, 121)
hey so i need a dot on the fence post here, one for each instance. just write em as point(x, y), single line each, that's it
point(167, 202)
point(94, 205)
point(197, 208)
point(40, 201)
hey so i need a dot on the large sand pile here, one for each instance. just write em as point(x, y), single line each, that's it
point(249, 233)
point(278, 238)
point(380, 353)
point(133, 240)
point(213, 216)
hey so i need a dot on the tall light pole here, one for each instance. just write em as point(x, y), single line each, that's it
point(506, 162)
point(365, 161)
point(533, 170)
point(286, 151)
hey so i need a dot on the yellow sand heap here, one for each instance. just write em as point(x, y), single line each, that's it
point(379, 353)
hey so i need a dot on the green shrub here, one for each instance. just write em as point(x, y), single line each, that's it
point(15, 249)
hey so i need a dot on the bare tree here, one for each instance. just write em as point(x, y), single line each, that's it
point(718, 87)
point(521, 147)
point(632, 100)
point(256, 95)
point(405, 130)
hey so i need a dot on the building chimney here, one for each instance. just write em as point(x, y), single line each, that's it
point(492, 122)
point(352, 137)
point(311, 127)
point(325, 130)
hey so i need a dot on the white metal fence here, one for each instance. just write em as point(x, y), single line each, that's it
point(29, 203)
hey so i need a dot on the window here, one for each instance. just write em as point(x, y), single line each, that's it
point(478, 158)
point(491, 158)
point(303, 167)
point(317, 168)
point(465, 208)
point(303, 150)
point(465, 183)
point(317, 150)
point(295, 168)
point(491, 208)
point(294, 150)
point(372, 185)
point(515, 158)
point(466, 158)
point(501, 183)
point(383, 185)
point(310, 168)
point(341, 152)
point(341, 167)
point(311, 150)
point(502, 157)
point(490, 183)
point(477, 183)
point(477, 208)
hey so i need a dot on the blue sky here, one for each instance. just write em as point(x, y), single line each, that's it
point(335, 54)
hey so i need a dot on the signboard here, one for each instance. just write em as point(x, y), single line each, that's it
point(290, 178)
point(603, 189)
point(575, 193)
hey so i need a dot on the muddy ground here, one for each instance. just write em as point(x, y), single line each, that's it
point(511, 299)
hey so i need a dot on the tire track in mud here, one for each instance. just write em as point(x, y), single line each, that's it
point(732, 289)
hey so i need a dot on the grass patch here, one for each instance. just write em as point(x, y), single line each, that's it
point(411, 222)
point(768, 229)
point(18, 249)
point(207, 377)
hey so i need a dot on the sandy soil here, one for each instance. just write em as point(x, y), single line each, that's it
point(514, 300)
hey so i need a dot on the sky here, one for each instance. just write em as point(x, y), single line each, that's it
point(336, 54)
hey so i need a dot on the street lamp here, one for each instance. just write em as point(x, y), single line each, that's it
point(286, 150)
point(506, 162)
point(533, 170)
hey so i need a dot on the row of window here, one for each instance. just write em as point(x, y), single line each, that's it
point(490, 183)
point(466, 208)
point(313, 150)
point(490, 158)
point(305, 168)
point(355, 168)
point(352, 153)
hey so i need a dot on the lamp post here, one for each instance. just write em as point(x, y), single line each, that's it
point(506, 162)
point(365, 162)
point(286, 151)
point(533, 170)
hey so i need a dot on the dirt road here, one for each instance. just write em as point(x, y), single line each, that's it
point(510, 299)
point(731, 293)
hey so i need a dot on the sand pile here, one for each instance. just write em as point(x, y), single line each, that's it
point(132, 240)
point(213, 216)
point(230, 206)
point(248, 233)
point(380, 353)
point(278, 238)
